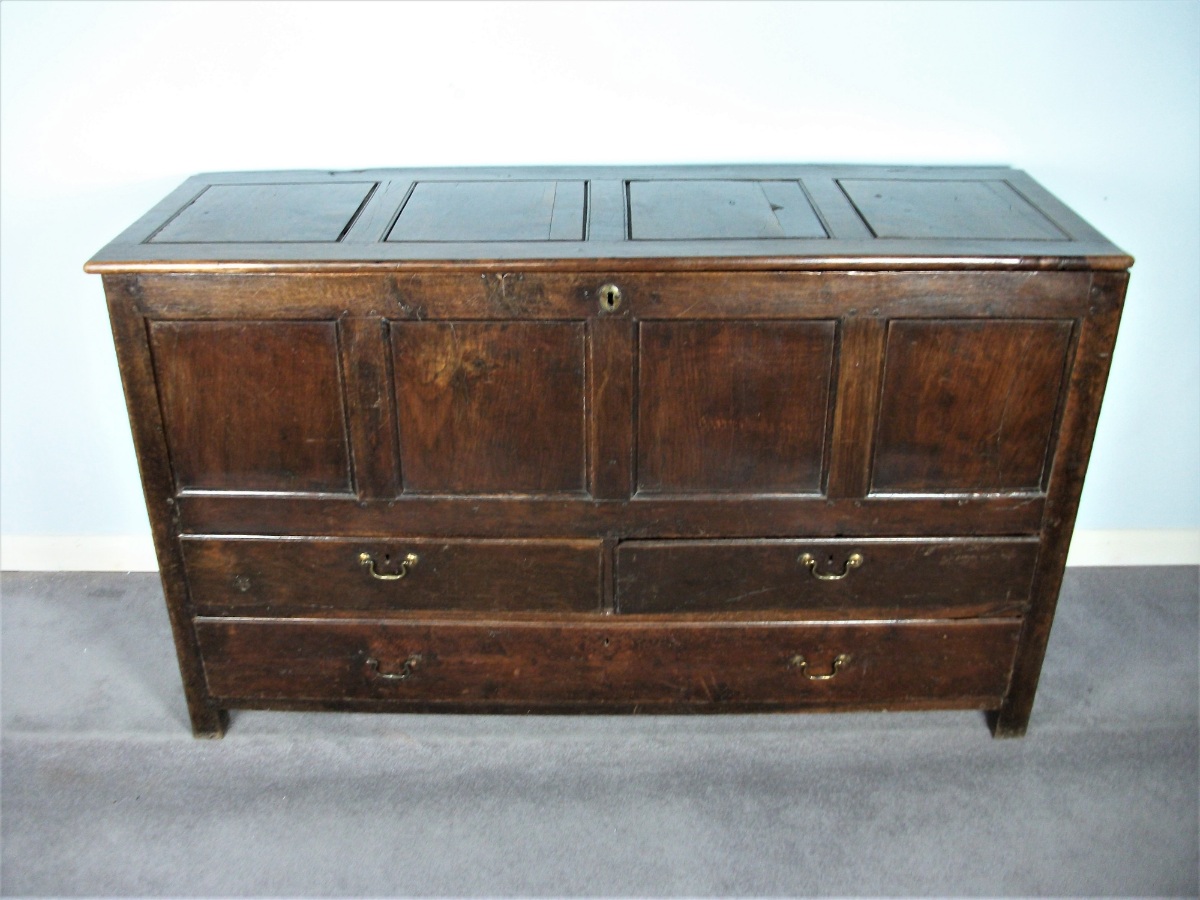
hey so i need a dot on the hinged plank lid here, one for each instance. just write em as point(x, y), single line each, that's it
point(763, 217)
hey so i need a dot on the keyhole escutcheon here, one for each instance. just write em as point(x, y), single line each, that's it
point(610, 298)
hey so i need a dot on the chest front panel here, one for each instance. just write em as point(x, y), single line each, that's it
point(710, 406)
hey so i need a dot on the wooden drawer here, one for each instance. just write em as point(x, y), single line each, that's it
point(608, 665)
point(930, 578)
point(281, 576)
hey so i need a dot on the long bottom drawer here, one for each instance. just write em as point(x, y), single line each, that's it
point(606, 664)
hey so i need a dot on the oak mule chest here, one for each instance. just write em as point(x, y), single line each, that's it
point(613, 440)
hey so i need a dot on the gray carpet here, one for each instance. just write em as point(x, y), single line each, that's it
point(104, 792)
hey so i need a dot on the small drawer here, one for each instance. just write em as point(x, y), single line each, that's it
point(839, 578)
point(607, 665)
point(290, 576)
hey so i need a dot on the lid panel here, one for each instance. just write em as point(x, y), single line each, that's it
point(476, 211)
point(954, 209)
point(715, 210)
point(266, 213)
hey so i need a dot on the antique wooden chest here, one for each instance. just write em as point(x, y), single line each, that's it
point(613, 440)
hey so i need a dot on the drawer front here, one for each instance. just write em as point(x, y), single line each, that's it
point(284, 576)
point(843, 578)
point(608, 665)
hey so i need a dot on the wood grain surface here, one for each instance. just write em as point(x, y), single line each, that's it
point(969, 406)
point(293, 576)
point(490, 408)
point(617, 665)
point(253, 405)
point(738, 407)
point(949, 578)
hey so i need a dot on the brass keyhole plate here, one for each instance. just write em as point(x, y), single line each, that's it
point(610, 298)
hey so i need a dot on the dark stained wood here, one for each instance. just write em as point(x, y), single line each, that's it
point(706, 210)
point(372, 417)
point(860, 370)
point(607, 211)
point(610, 417)
point(974, 246)
point(292, 576)
point(567, 221)
point(158, 485)
point(838, 216)
point(268, 213)
point(969, 405)
point(948, 208)
point(824, 295)
point(1093, 356)
point(733, 407)
point(253, 406)
point(492, 211)
point(490, 294)
point(490, 407)
point(374, 220)
point(645, 516)
point(475, 707)
point(607, 578)
point(936, 579)
point(609, 663)
point(608, 507)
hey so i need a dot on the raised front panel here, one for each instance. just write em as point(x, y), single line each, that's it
point(490, 407)
point(252, 406)
point(289, 576)
point(733, 406)
point(969, 405)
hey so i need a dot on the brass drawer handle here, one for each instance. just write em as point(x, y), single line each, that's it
point(406, 670)
point(852, 562)
point(799, 662)
point(407, 563)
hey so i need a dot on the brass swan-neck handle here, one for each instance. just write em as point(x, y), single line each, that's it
point(799, 662)
point(405, 565)
point(853, 561)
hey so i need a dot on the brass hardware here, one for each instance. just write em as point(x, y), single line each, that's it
point(405, 670)
point(799, 662)
point(407, 563)
point(610, 298)
point(852, 562)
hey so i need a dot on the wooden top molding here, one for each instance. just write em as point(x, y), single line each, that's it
point(625, 219)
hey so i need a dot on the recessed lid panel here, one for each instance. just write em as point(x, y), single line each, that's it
point(266, 213)
point(714, 210)
point(492, 211)
point(977, 209)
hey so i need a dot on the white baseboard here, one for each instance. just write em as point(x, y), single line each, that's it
point(1142, 547)
point(77, 553)
point(123, 553)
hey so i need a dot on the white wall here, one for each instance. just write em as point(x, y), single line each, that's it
point(107, 106)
